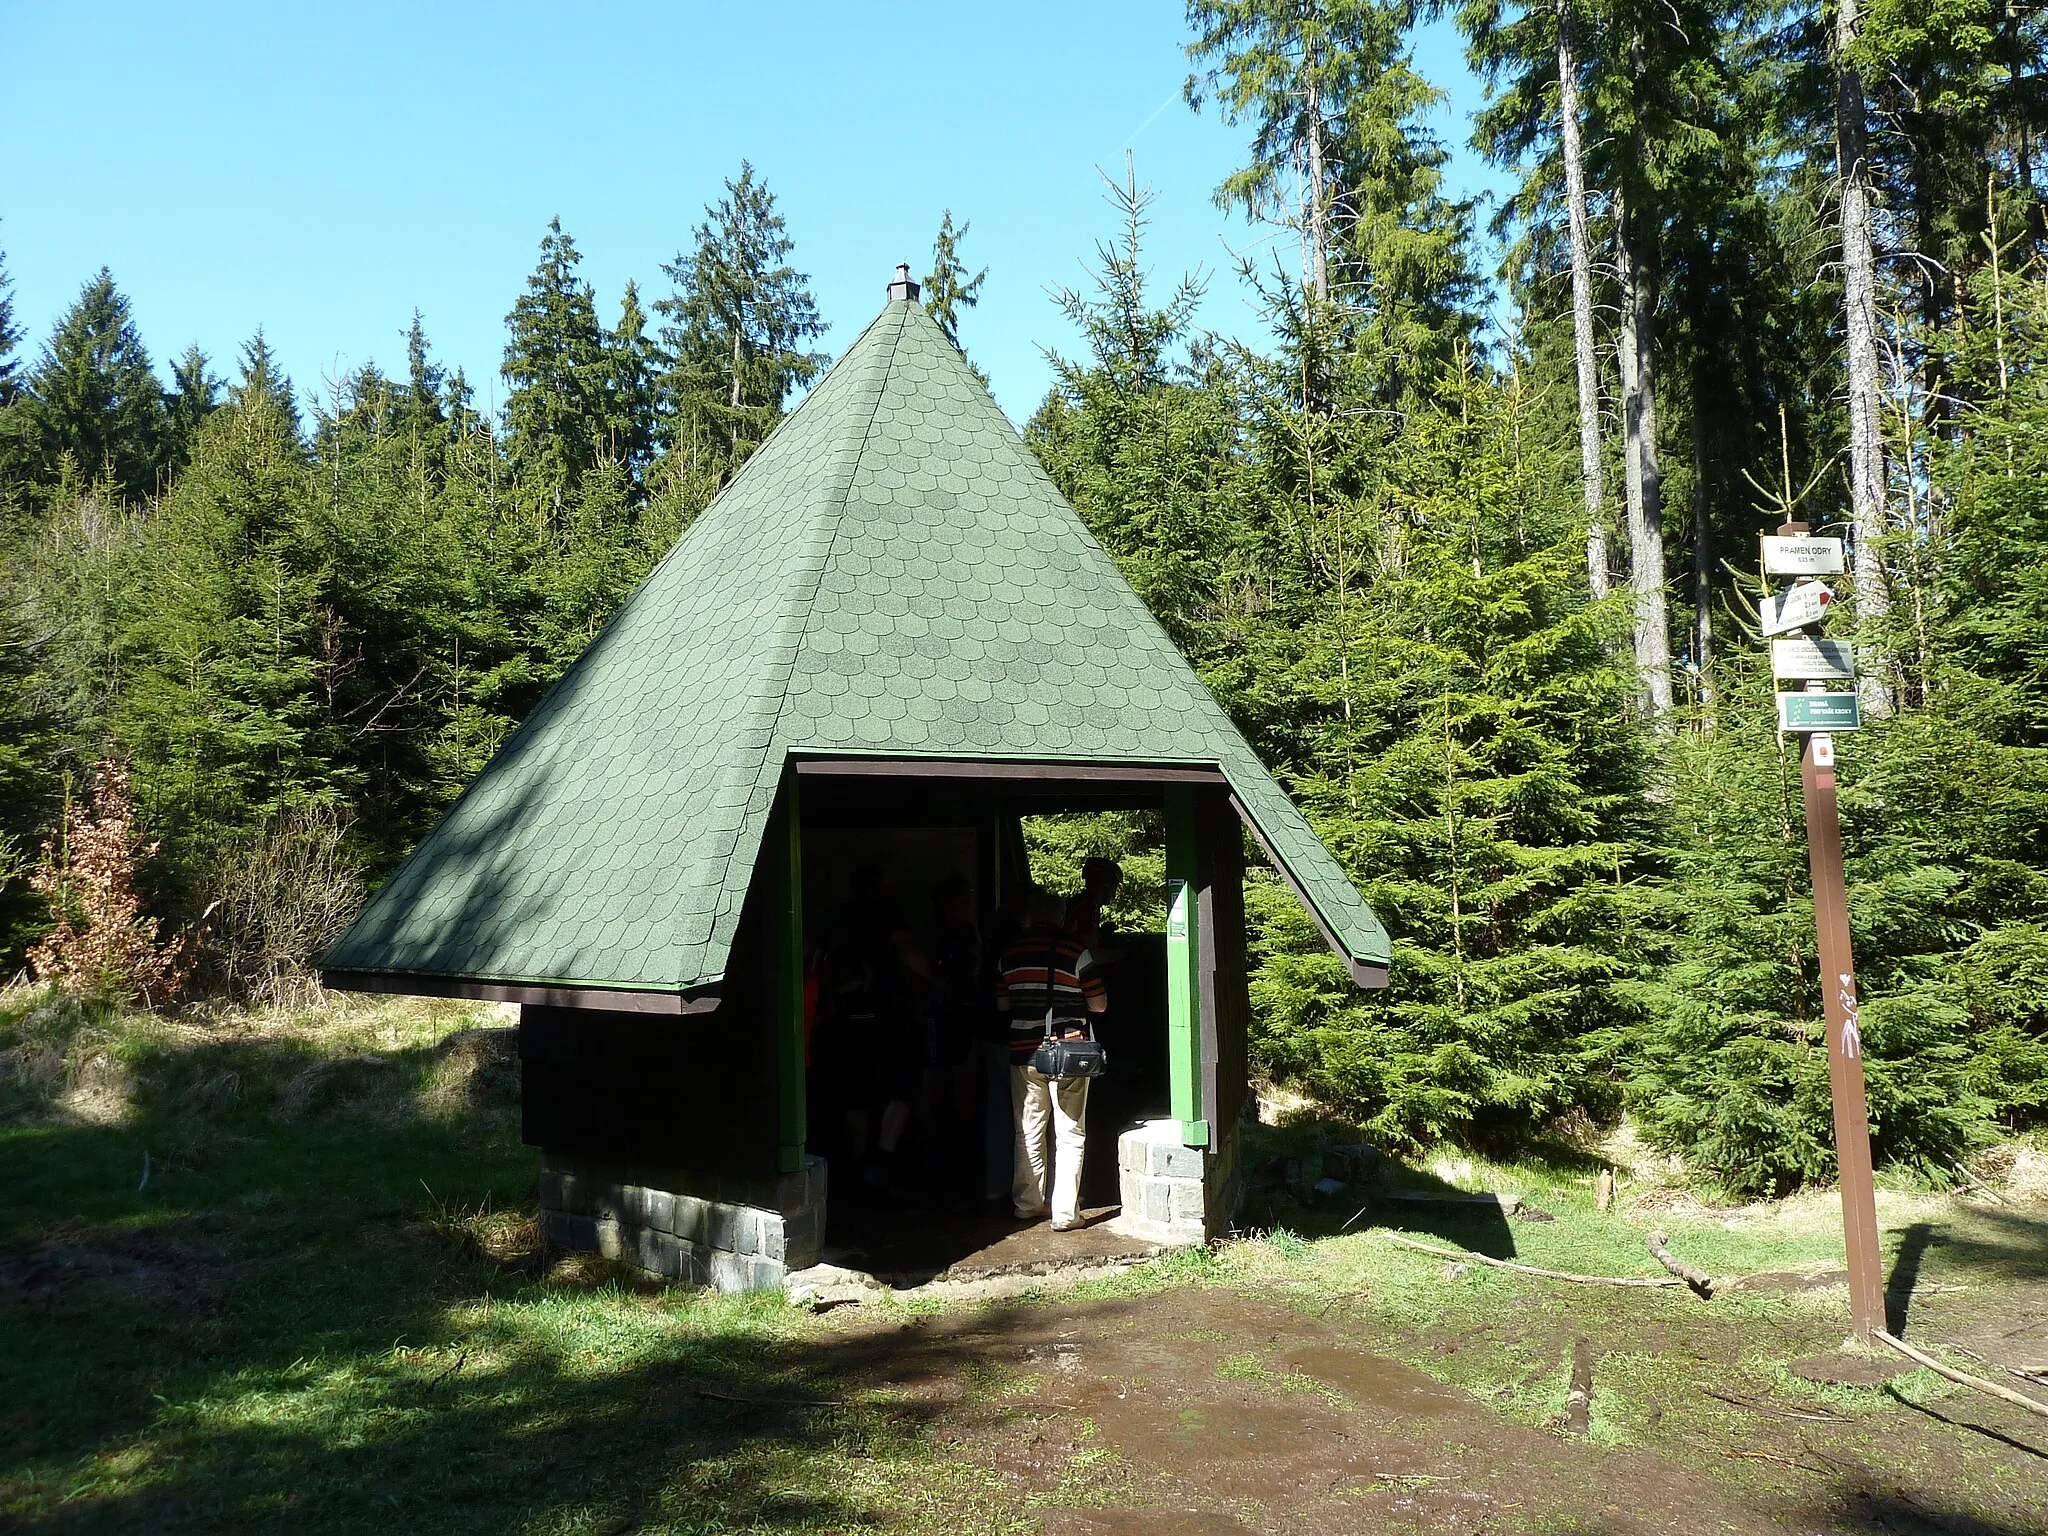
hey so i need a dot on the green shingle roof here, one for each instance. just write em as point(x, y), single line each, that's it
point(892, 573)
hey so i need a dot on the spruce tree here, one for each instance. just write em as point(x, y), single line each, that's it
point(1657, 94)
point(629, 426)
point(10, 338)
point(1340, 152)
point(195, 392)
point(1131, 436)
point(947, 287)
point(221, 713)
point(262, 378)
point(558, 368)
point(17, 438)
point(93, 397)
point(424, 381)
point(30, 742)
point(1463, 750)
point(733, 341)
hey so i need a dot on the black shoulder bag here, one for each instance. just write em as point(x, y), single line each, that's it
point(1059, 1058)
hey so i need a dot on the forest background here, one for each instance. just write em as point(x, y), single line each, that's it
point(1472, 563)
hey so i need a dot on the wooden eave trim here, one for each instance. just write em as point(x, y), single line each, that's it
point(1364, 973)
point(547, 995)
point(1004, 768)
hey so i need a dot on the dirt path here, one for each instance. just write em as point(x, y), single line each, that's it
point(1227, 1412)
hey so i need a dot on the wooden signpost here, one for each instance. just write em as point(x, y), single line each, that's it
point(1815, 713)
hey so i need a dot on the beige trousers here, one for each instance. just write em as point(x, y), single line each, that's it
point(1040, 1105)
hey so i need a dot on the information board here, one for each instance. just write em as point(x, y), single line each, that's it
point(1799, 660)
point(1806, 712)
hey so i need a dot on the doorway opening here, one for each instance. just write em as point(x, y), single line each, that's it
point(908, 898)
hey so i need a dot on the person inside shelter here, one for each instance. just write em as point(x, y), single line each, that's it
point(1047, 985)
point(1101, 879)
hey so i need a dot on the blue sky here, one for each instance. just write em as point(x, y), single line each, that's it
point(321, 171)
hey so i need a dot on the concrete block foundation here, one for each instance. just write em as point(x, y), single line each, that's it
point(729, 1232)
point(1173, 1193)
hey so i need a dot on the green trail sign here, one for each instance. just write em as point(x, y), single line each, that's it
point(1807, 712)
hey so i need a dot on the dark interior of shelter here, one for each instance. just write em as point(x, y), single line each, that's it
point(880, 860)
point(942, 1195)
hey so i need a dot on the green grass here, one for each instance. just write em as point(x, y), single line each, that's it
point(299, 1323)
point(326, 1309)
point(1666, 1361)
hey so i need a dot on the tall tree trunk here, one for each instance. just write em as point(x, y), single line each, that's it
point(1318, 229)
point(1859, 299)
point(1582, 304)
point(1643, 474)
point(1702, 570)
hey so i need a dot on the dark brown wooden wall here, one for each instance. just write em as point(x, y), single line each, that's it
point(695, 1092)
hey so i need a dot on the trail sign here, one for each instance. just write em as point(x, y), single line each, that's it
point(1801, 555)
point(1824, 660)
point(1807, 712)
point(1813, 713)
point(1804, 602)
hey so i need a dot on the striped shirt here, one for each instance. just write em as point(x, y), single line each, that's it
point(1022, 992)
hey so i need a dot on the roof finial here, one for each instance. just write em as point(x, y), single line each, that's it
point(903, 287)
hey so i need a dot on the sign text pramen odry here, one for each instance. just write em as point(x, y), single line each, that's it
point(1802, 556)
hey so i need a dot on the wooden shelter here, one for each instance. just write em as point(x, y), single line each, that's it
point(889, 620)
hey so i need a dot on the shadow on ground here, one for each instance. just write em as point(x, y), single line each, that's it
point(309, 1320)
point(1284, 1171)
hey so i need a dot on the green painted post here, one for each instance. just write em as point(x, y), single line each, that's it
point(783, 862)
point(1183, 976)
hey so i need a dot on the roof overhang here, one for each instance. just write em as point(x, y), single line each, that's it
point(1363, 972)
point(1045, 773)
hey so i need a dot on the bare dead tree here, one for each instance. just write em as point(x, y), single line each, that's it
point(1573, 149)
point(1859, 300)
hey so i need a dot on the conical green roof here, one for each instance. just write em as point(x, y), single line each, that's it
point(891, 574)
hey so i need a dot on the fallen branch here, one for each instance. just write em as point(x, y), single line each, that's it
point(448, 1371)
point(1964, 1378)
point(1979, 1185)
point(1698, 1279)
point(1506, 1204)
point(1774, 1460)
point(1773, 1410)
point(1530, 1269)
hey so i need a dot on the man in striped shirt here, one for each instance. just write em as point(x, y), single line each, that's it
point(1047, 977)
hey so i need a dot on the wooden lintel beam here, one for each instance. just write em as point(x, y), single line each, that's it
point(977, 768)
point(610, 999)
